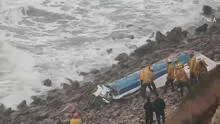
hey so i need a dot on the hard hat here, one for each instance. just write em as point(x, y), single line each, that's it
point(151, 68)
point(169, 60)
point(75, 115)
point(179, 65)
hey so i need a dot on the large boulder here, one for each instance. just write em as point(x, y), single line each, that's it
point(160, 37)
point(122, 57)
point(22, 105)
point(47, 83)
point(74, 84)
point(202, 29)
point(176, 35)
point(207, 10)
point(36, 100)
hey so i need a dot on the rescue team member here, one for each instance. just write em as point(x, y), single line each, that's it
point(159, 107)
point(75, 119)
point(148, 107)
point(192, 69)
point(170, 76)
point(181, 78)
point(201, 69)
point(146, 77)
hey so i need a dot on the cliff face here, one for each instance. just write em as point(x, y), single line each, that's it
point(201, 106)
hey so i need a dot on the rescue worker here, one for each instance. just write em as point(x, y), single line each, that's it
point(75, 119)
point(181, 78)
point(201, 69)
point(159, 107)
point(192, 69)
point(146, 78)
point(170, 76)
point(148, 107)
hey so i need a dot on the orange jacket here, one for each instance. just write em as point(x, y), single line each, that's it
point(181, 75)
point(146, 76)
point(75, 121)
point(170, 71)
point(201, 68)
point(192, 65)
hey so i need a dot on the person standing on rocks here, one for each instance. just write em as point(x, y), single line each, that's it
point(201, 69)
point(146, 77)
point(159, 107)
point(148, 107)
point(76, 119)
point(192, 69)
point(170, 76)
point(181, 78)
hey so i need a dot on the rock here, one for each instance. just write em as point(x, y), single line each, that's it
point(8, 112)
point(47, 83)
point(41, 116)
point(36, 100)
point(109, 51)
point(74, 84)
point(207, 10)
point(65, 85)
point(202, 29)
point(52, 94)
point(176, 35)
point(2, 108)
point(56, 103)
point(122, 57)
point(69, 108)
point(94, 71)
point(130, 25)
point(130, 36)
point(22, 105)
point(160, 37)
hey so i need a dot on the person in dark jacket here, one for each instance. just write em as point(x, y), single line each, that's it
point(148, 107)
point(159, 107)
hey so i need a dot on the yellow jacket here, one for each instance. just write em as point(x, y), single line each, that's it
point(170, 71)
point(146, 76)
point(75, 121)
point(201, 68)
point(181, 75)
point(192, 65)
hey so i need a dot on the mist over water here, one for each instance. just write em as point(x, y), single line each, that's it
point(61, 38)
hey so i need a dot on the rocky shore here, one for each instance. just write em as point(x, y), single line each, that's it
point(57, 106)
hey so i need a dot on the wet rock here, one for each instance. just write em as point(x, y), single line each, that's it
point(130, 36)
point(22, 105)
point(109, 51)
point(176, 35)
point(160, 37)
point(65, 85)
point(52, 94)
point(74, 84)
point(202, 29)
point(47, 83)
point(36, 100)
point(8, 112)
point(2, 108)
point(122, 57)
point(207, 10)
point(94, 71)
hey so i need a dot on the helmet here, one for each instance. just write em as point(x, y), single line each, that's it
point(169, 60)
point(179, 65)
point(151, 68)
point(75, 115)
